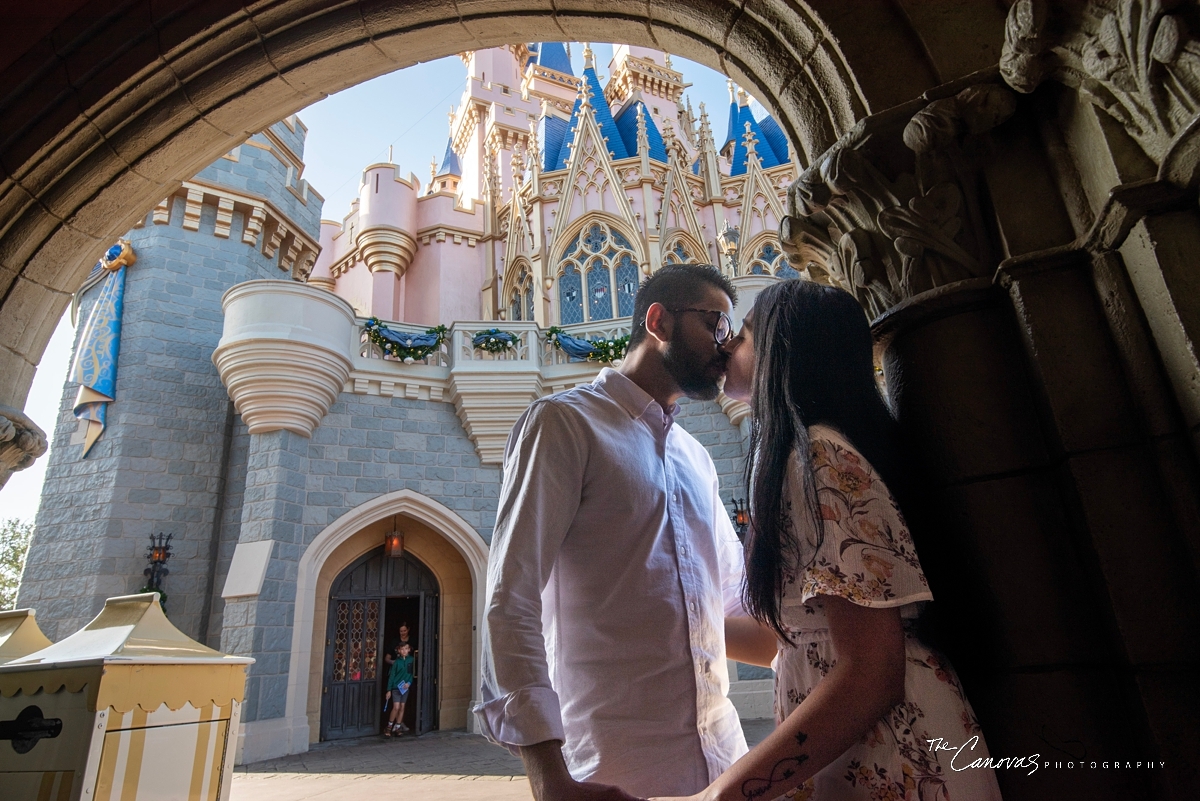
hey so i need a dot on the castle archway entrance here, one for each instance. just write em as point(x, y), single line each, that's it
point(436, 587)
point(370, 603)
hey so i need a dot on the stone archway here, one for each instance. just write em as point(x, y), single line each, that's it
point(105, 109)
point(441, 540)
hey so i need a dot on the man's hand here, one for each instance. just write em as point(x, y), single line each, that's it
point(550, 781)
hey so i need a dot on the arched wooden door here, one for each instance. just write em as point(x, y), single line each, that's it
point(355, 670)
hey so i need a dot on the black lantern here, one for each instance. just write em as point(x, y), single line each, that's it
point(157, 553)
point(393, 545)
point(740, 517)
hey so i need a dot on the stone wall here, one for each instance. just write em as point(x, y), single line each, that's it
point(366, 446)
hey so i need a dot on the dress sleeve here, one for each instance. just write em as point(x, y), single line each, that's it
point(867, 554)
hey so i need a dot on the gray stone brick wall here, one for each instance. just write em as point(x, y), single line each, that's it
point(157, 466)
point(366, 446)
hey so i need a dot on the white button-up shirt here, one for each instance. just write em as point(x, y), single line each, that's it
point(612, 568)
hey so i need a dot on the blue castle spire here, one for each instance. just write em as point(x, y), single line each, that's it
point(602, 113)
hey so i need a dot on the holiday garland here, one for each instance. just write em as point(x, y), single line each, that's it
point(404, 345)
point(494, 340)
point(594, 350)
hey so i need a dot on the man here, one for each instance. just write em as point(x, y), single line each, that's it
point(612, 568)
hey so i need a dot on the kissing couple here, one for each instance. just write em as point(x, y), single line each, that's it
point(617, 588)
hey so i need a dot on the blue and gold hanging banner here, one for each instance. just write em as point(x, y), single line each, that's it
point(95, 367)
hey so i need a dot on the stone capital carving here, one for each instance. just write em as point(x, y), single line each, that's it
point(1131, 58)
point(21, 442)
point(285, 353)
point(893, 208)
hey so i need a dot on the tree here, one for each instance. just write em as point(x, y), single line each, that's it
point(14, 545)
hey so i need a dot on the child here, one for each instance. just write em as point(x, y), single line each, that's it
point(399, 681)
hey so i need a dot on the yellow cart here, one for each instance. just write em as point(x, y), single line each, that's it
point(128, 708)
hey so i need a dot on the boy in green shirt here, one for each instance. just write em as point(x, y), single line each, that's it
point(399, 681)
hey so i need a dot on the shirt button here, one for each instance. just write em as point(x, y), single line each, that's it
point(692, 606)
point(674, 497)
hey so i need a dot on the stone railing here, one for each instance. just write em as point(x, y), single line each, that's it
point(289, 349)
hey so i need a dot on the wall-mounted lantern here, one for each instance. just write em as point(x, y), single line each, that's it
point(393, 545)
point(157, 553)
point(740, 517)
point(728, 241)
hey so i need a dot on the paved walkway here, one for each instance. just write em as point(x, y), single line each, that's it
point(441, 766)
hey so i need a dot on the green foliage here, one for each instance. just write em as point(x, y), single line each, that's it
point(14, 545)
point(408, 353)
point(494, 340)
point(606, 351)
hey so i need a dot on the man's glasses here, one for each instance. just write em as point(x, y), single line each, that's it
point(722, 332)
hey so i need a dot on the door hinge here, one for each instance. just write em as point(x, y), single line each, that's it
point(325, 690)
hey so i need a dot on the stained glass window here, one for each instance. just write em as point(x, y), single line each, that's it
point(598, 275)
point(600, 305)
point(570, 295)
point(627, 284)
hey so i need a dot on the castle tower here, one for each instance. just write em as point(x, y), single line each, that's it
point(163, 463)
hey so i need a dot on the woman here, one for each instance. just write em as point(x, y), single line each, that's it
point(832, 579)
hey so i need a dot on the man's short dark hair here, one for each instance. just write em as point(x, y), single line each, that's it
point(676, 286)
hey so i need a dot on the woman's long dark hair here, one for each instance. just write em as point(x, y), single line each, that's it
point(813, 349)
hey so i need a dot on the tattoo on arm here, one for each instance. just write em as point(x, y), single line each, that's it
point(783, 770)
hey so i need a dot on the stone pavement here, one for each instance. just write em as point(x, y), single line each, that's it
point(441, 766)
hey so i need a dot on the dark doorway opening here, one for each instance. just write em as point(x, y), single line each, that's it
point(367, 603)
point(406, 610)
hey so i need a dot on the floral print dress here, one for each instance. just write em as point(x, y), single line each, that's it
point(867, 557)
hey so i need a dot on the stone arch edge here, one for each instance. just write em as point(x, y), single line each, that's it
point(406, 502)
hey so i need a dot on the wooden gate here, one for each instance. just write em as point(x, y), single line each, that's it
point(355, 671)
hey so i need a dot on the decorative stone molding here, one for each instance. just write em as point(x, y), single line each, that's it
point(299, 250)
point(884, 233)
point(284, 355)
point(21, 442)
point(490, 391)
point(1132, 59)
point(384, 248)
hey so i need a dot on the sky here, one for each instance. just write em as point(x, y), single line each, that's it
point(406, 110)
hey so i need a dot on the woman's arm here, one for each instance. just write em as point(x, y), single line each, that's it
point(866, 682)
point(749, 641)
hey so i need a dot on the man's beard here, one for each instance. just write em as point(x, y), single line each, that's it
point(690, 370)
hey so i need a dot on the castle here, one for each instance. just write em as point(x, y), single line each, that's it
point(323, 443)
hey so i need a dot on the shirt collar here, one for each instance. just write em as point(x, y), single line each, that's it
point(633, 399)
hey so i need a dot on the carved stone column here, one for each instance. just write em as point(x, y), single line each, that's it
point(21, 442)
point(1053, 467)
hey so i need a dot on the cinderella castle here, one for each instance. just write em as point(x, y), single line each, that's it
point(314, 411)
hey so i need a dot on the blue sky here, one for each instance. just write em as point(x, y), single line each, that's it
point(407, 110)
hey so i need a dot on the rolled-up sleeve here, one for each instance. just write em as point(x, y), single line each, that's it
point(539, 496)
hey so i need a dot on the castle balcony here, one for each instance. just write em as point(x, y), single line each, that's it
point(289, 349)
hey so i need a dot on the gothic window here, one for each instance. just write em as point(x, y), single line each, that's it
point(627, 284)
point(770, 260)
point(598, 275)
point(678, 255)
point(520, 297)
point(570, 296)
point(599, 296)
